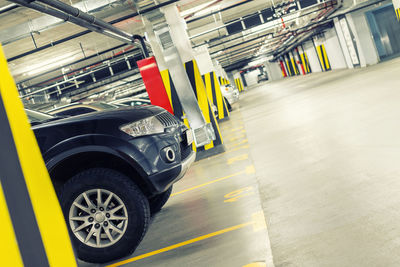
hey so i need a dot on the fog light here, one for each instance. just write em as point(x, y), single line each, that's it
point(170, 154)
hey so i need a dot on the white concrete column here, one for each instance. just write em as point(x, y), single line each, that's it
point(219, 70)
point(203, 59)
point(345, 43)
point(178, 32)
point(274, 71)
point(155, 47)
point(312, 56)
point(365, 44)
point(333, 50)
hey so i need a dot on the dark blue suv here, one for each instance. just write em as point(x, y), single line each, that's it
point(111, 171)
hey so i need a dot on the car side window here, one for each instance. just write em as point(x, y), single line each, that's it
point(74, 112)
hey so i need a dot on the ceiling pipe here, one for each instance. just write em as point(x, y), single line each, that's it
point(221, 10)
point(67, 17)
point(260, 31)
point(75, 62)
point(91, 24)
point(307, 29)
point(106, 27)
point(257, 13)
point(237, 50)
point(8, 8)
point(77, 35)
point(280, 35)
point(77, 13)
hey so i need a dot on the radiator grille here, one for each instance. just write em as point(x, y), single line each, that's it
point(167, 119)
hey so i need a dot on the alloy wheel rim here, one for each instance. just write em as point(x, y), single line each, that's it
point(98, 218)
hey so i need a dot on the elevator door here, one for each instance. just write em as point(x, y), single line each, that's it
point(386, 31)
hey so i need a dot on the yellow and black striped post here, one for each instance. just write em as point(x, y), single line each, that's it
point(239, 84)
point(397, 11)
point(289, 66)
point(214, 94)
point(221, 80)
point(323, 58)
point(294, 65)
point(196, 81)
point(33, 229)
point(306, 63)
point(173, 98)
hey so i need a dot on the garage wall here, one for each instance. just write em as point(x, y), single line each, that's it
point(343, 44)
point(312, 56)
point(203, 59)
point(365, 45)
point(334, 50)
point(251, 77)
point(273, 70)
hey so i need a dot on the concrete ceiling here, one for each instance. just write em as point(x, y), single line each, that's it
point(206, 20)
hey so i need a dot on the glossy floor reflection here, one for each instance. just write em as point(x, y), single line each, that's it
point(326, 149)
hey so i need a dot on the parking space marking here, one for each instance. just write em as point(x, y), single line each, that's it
point(238, 158)
point(190, 241)
point(236, 129)
point(236, 149)
point(238, 143)
point(235, 133)
point(256, 264)
point(249, 170)
point(210, 182)
point(237, 137)
point(239, 193)
point(259, 221)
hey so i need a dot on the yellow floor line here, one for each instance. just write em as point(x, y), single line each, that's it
point(248, 170)
point(259, 221)
point(190, 241)
point(235, 133)
point(236, 129)
point(244, 141)
point(208, 183)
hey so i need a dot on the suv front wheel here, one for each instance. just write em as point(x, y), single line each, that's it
point(106, 213)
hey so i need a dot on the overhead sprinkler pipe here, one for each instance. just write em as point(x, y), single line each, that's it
point(65, 12)
point(77, 13)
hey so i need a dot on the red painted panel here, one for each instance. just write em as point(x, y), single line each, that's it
point(154, 84)
point(283, 68)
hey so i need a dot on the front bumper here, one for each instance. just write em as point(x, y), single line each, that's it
point(186, 165)
point(232, 97)
point(161, 181)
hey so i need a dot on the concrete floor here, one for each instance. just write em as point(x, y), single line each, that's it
point(317, 157)
point(326, 148)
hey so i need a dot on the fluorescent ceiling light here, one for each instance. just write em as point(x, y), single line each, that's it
point(195, 9)
point(202, 9)
point(55, 62)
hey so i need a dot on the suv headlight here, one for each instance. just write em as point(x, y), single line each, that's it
point(145, 126)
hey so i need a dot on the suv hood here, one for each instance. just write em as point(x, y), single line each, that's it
point(120, 116)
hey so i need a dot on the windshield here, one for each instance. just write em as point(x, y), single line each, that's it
point(35, 116)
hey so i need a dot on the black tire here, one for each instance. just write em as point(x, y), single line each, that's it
point(135, 209)
point(156, 203)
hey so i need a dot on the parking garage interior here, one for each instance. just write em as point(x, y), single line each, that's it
point(243, 133)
